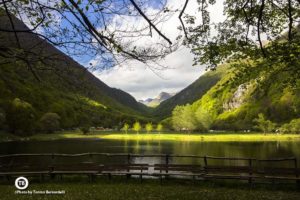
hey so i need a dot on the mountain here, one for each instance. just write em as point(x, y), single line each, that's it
point(228, 103)
point(235, 96)
point(157, 100)
point(54, 82)
point(190, 94)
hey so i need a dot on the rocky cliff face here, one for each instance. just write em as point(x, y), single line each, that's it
point(238, 97)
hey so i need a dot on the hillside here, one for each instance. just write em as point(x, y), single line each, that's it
point(233, 105)
point(59, 84)
point(190, 94)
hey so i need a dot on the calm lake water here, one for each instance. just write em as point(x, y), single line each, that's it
point(260, 150)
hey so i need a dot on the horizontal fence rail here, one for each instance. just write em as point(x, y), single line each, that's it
point(239, 168)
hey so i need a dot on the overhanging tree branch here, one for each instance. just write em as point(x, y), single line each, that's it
point(180, 18)
point(149, 21)
point(259, 21)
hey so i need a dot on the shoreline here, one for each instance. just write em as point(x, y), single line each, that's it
point(180, 137)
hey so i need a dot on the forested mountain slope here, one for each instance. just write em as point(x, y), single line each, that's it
point(233, 103)
point(56, 83)
point(191, 93)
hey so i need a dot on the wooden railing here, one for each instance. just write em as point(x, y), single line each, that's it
point(251, 169)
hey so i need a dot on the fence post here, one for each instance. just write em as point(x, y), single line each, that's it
point(128, 163)
point(52, 162)
point(167, 162)
point(296, 171)
point(250, 170)
point(128, 158)
point(205, 165)
point(52, 166)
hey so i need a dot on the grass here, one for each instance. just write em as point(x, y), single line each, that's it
point(204, 137)
point(120, 189)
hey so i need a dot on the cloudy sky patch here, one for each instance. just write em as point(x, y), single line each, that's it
point(142, 81)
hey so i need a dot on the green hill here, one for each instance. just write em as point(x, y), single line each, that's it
point(190, 94)
point(233, 104)
point(58, 84)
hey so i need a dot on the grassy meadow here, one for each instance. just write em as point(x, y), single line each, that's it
point(132, 189)
point(166, 136)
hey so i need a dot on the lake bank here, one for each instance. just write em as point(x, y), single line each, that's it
point(201, 137)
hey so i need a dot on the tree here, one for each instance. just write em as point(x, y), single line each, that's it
point(125, 127)
point(149, 127)
point(285, 128)
point(183, 118)
point(21, 117)
point(241, 38)
point(159, 127)
point(295, 125)
point(292, 127)
point(137, 127)
point(88, 28)
point(264, 124)
point(177, 120)
point(204, 117)
point(190, 122)
point(85, 129)
point(50, 122)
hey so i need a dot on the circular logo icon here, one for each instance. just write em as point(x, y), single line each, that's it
point(21, 183)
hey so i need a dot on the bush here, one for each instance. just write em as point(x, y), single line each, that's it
point(2, 119)
point(50, 122)
point(21, 117)
point(292, 127)
point(125, 127)
point(137, 127)
point(183, 118)
point(85, 130)
point(149, 127)
point(264, 124)
point(159, 128)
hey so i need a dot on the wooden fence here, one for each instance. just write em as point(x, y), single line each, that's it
point(206, 167)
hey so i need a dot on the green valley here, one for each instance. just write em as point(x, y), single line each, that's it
point(192, 99)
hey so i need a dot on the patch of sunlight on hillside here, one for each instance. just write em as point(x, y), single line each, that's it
point(93, 102)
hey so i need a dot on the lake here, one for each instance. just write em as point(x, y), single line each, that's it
point(260, 150)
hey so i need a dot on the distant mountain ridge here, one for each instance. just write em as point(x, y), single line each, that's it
point(153, 102)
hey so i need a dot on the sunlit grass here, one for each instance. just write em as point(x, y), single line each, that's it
point(203, 137)
point(200, 137)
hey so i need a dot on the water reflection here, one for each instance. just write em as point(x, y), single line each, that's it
point(260, 150)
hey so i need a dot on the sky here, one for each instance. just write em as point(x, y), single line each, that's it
point(142, 82)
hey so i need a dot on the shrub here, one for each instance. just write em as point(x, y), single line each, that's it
point(285, 128)
point(183, 118)
point(125, 127)
point(137, 127)
point(292, 127)
point(295, 126)
point(50, 122)
point(264, 124)
point(159, 128)
point(149, 127)
point(21, 117)
point(85, 130)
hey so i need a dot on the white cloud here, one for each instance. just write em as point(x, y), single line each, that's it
point(139, 80)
